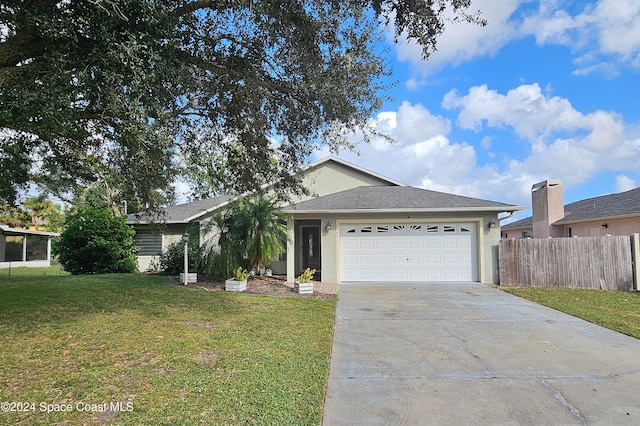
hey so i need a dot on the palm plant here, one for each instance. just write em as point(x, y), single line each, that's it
point(252, 233)
point(263, 226)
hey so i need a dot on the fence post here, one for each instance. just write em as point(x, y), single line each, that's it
point(635, 259)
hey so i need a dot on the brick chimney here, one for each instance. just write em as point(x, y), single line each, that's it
point(547, 200)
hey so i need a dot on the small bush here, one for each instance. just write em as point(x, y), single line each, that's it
point(95, 241)
point(172, 259)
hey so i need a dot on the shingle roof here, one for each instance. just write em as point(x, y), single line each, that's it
point(621, 204)
point(527, 222)
point(183, 213)
point(396, 198)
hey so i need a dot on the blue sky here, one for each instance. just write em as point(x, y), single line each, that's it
point(548, 90)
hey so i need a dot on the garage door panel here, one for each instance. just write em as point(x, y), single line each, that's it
point(400, 275)
point(416, 243)
point(421, 252)
point(449, 243)
point(382, 243)
point(366, 244)
point(366, 259)
point(349, 244)
point(399, 244)
point(433, 243)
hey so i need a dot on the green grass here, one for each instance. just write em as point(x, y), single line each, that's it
point(176, 355)
point(616, 310)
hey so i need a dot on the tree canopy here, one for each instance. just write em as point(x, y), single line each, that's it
point(231, 94)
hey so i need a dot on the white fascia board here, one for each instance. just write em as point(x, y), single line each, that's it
point(428, 210)
point(28, 231)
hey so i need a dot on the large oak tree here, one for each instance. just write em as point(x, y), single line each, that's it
point(128, 93)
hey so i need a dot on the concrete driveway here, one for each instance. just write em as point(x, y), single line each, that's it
point(466, 353)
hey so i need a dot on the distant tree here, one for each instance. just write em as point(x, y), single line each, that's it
point(15, 217)
point(96, 241)
point(39, 208)
point(232, 93)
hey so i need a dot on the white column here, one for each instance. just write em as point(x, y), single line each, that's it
point(49, 249)
point(291, 251)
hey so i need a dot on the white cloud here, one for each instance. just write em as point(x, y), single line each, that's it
point(563, 143)
point(424, 156)
point(603, 36)
point(625, 183)
point(463, 41)
point(533, 115)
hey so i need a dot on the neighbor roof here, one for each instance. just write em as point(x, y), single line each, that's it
point(621, 204)
point(605, 206)
point(183, 213)
point(527, 222)
point(395, 198)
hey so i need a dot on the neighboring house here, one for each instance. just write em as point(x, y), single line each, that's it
point(614, 214)
point(359, 226)
point(24, 247)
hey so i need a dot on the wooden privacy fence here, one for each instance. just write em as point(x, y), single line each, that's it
point(582, 262)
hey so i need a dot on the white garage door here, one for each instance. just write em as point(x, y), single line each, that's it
point(408, 252)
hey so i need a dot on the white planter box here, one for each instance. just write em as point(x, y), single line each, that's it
point(303, 288)
point(235, 285)
point(192, 277)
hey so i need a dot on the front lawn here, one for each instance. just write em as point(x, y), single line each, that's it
point(616, 310)
point(133, 349)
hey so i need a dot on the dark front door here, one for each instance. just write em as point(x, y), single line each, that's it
point(311, 248)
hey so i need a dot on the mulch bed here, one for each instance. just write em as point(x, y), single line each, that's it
point(270, 286)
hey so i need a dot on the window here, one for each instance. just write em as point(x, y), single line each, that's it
point(433, 228)
point(448, 228)
point(37, 247)
point(527, 234)
point(463, 229)
point(351, 231)
point(149, 243)
point(415, 228)
point(13, 250)
point(382, 229)
point(366, 230)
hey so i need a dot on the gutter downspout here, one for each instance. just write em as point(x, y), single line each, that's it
point(500, 219)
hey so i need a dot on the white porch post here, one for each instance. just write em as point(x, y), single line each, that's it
point(24, 249)
point(49, 249)
point(291, 251)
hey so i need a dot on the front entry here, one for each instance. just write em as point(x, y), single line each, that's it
point(311, 247)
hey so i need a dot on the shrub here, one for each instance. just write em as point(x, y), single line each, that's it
point(95, 241)
point(172, 259)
